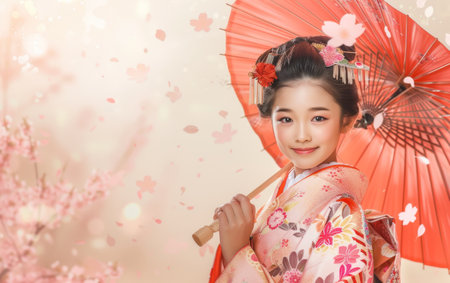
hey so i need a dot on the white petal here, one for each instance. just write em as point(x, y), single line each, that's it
point(429, 11)
point(378, 120)
point(386, 31)
point(409, 80)
point(424, 160)
point(421, 230)
point(421, 3)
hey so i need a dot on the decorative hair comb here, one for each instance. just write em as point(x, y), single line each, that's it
point(264, 73)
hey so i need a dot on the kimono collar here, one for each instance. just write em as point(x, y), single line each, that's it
point(292, 180)
point(346, 178)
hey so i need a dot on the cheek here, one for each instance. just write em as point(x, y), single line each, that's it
point(281, 133)
point(328, 133)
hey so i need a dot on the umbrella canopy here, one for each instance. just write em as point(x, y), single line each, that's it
point(401, 141)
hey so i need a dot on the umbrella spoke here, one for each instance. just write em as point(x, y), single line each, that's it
point(297, 16)
point(248, 36)
point(432, 71)
point(261, 19)
point(421, 59)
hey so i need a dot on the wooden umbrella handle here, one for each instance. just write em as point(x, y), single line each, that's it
point(204, 234)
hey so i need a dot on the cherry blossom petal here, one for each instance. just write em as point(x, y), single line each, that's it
point(160, 34)
point(420, 230)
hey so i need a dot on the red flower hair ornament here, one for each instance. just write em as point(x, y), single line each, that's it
point(264, 73)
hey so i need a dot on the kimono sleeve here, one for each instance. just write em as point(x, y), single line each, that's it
point(245, 267)
point(342, 252)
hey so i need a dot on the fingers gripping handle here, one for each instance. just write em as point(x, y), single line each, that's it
point(204, 234)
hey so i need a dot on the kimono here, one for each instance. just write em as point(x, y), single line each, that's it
point(313, 229)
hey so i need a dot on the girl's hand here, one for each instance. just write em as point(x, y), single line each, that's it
point(236, 221)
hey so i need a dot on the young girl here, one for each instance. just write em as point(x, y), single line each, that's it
point(313, 228)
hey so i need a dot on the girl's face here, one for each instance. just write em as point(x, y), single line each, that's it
point(306, 124)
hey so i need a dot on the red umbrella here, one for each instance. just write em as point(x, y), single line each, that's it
point(401, 141)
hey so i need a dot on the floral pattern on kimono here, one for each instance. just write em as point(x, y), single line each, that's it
point(314, 231)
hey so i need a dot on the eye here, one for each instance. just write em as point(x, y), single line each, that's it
point(320, 117)
point(285, 120)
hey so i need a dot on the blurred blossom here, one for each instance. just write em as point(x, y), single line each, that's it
point(35, 45)
point(26, 210)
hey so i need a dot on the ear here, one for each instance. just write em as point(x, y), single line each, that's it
point(348, 122)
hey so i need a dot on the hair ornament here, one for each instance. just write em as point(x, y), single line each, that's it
point(342, 68)
point(262, 76)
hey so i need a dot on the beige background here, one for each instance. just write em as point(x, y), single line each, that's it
point(67, 100)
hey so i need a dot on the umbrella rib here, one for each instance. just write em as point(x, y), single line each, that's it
point(423, 56)
point(261, 19)
point(427, 90)
point(389, 37)
point(236, 56)
point(370, 26)
point(440, 145)
point(389, 178)
point(432, 71)
point(434, 202)
point(419, 204)
point(297, 16)
point(406, 45)
point(378, 159)
point(365, 149)
point(249, 36)
point(433, 82)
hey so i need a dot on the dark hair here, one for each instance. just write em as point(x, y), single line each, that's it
point(297, 59)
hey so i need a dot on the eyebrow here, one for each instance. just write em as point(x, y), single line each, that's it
point(310, 109)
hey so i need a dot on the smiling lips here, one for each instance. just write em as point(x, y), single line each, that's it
point(304, 150)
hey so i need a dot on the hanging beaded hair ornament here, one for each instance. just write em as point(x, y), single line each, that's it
point(264, 74)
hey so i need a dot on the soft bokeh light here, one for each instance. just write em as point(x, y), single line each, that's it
point(132, 211)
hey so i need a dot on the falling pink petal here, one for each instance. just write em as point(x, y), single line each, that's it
point(111, 100)
point(83, 54)
point(225, 135)
point(114, 59)
point(134, 240)
point(178, 146)
point(110, 240)
point(200, 159)
point(421, 230)
point(80, 242)
point(101, 118)
point(157, 220)
point(202, 23)
point(43, 142)
point(138, 74)
point(239, 170)
point(190, 207)
point(183, 189)
point(191, 129)
point(148, 17)
point(41, 116)
point(74, 252)
point(202, 250)
point(145, 50)
point(182, 203)
point(120, 224)
point(198, 175)
point(169, 83)
point(174, 95)
point(160, 34)
point(223, 113)
point(146, 185)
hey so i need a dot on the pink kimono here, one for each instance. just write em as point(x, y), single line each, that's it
point(315, 231)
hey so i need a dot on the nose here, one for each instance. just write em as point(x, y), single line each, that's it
point(303, 133)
